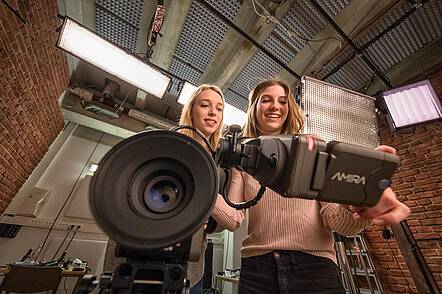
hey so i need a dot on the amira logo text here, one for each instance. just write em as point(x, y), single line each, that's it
point(349, 178)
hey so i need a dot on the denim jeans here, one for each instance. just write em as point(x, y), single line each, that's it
point(197, 288)
point(288, 272)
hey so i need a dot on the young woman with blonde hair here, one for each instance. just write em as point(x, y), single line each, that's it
point(206, 102)
point(204, 111)
point(289, 246)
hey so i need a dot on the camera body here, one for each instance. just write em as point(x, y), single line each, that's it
point(305, 167)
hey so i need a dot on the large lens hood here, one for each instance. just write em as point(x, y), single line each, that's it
point(132, 172)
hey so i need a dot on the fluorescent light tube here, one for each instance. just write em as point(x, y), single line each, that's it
point(186, 91)
point(234, 116)
point(88, 46)
point(412, 104)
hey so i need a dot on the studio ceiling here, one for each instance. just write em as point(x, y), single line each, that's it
point(381, 44)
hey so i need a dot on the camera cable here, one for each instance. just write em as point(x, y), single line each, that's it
point(240, 205)
point(246, 204)
point(198, 132)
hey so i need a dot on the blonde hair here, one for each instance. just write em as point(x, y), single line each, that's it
point(294, 122)
point(186, 115)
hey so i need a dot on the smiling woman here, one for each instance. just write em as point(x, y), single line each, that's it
point(289, 247)
point(204, 111)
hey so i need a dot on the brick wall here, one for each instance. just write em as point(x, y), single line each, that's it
point(33, 74)
point(418, 184)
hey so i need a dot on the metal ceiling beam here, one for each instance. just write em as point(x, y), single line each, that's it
point(377, 37)
point(175, 16)
point(352, 19)
point(419, 62)
point(235, 51)
point(370, 63)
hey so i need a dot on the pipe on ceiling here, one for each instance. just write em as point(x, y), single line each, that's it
point(349, 41)
point(250, 39)
point(377, 37)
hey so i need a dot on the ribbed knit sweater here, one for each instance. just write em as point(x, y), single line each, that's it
point(278, 223)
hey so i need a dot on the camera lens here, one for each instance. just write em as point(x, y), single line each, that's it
point(162, 196)
point(146, 195)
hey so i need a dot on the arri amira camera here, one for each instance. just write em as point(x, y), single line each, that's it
point(153, 192)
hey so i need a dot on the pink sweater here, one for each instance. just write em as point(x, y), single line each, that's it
point(278, 223)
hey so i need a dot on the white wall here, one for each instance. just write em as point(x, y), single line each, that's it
point(62, 172)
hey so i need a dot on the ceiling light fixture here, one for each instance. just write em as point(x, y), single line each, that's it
point(186, 92)
point(413, 104)
point(87, 45)
point(234, 116)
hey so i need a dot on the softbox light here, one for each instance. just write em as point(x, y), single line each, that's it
point(412, 104)
point(85, 44)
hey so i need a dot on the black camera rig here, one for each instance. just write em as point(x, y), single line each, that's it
point(153, 192)
point(305, 167)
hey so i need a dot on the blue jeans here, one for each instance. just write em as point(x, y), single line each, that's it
point(197, 288)
point(288, 272)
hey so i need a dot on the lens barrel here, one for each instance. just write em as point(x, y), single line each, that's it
point(153, 190)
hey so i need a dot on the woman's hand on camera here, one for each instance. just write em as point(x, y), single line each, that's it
point(389, 210)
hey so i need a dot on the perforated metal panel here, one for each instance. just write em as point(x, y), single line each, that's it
point(185, 71)
point(201, 35)
point(302, 19)
point(118, 21)
point(418, 30)
point(128, 10)
point(335, 113)
point(235, 99)
point(353, 75)
point(260, 67)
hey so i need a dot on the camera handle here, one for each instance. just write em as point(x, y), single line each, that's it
point(232, 138)
point(196, 131)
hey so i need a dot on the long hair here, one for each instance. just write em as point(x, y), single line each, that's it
point(294, 122)
point(186, 115)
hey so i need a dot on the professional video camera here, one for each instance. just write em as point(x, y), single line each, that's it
point(153, 192)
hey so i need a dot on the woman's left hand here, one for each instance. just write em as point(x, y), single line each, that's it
point(389, 210)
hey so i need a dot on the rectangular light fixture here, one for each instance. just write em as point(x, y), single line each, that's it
point(334, 113)
point(232, 115)
point(186, 91)
point(88, 46)
point(412, 104)
point(93, 167)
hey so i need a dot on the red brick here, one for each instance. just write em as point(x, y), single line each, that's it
point(432, 221)
point(35, 75)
